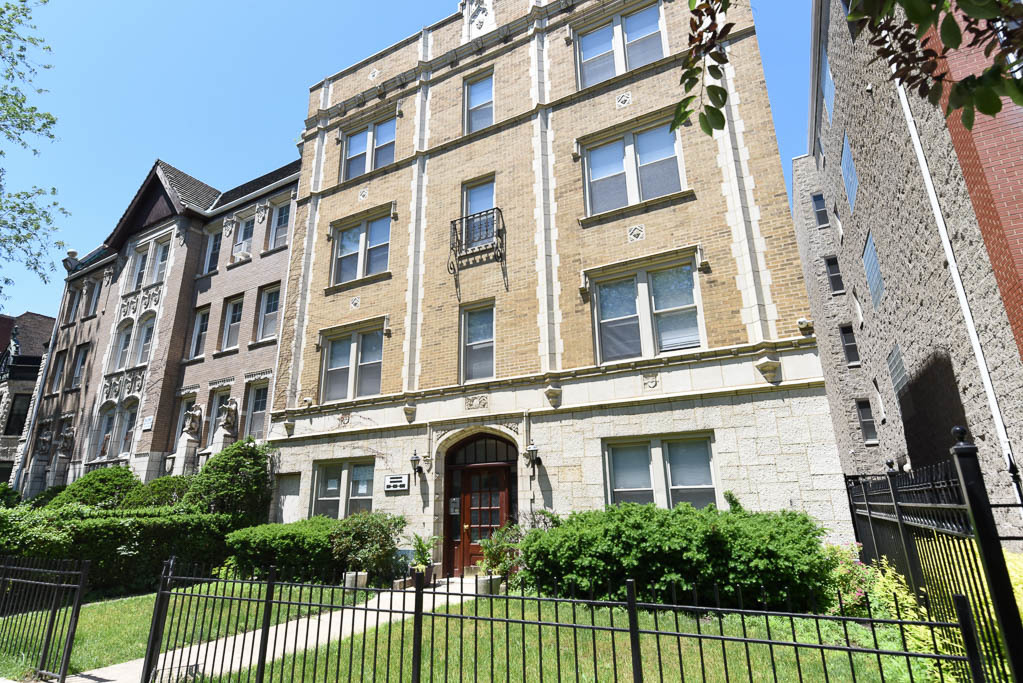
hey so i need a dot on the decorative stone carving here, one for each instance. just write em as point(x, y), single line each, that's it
point(261, 211)
point(151, 296)
point(623, 99)
point(108, 275)
point(129, 306)
point(770, 368)
point(477, 402)
point(229, 225)
point(553, 394)
point(343, 420)
point(193, 421)
point(636, 233)
point(66, 441)
point(363, 194)
point(410, 411)
point(650, 380)
point(227, 416)
point(355, 302)
point(513, 426)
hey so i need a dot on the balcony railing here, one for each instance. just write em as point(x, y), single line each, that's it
point(476, 234)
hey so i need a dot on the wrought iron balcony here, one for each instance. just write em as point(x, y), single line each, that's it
point(477, 234)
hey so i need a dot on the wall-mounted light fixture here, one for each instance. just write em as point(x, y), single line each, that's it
point(532, 457)
point(417, 469)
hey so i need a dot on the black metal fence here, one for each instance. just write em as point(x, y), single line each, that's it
point(39, 605)
point(936, 526)
point(212, 627)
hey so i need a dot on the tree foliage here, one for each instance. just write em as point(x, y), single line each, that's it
point(27, 229)
point(912, 37)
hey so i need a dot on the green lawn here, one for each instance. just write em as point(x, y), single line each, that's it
point(116, 631)
point(456, 649)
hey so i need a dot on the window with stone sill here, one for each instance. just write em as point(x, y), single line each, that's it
point(834, 275)
point(74, 298)
point(213, 242)
point(820, 210)
point(646, 313)
point(127, 433)
point(632, 168)
point(343, 488)
point(352, 365)
point(123, 348)
point(478, 342)
point(255, 412)
point(361, 250)
point(281, 219)
point(369, 148)
point(866, 418)
point(268, 308)
point(664, 471)
point(94, 287)
point(243, 237)
point(184, 405)
point(849, 347)
point(479, 103)
point(161, 256)
point(218, 401)
point(139, 268)
point(144, 340)
point(232, 323)
point(105, 432)
point(78, 366)
point(57, 376)
point(199, 329)
point(872, 270)
point(623, 43)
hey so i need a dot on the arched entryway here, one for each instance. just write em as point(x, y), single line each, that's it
point(481, 495)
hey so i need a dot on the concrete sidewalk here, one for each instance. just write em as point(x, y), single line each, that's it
point(238, 652)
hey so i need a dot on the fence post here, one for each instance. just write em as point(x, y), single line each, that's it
point(48, 637)
point(875, 553)
point(908, 544)
point(630, 598)
point(417, 626)
point(69, 638)
point(157, 625)
point(264, 633)
point(999, 585)
point(969, 630)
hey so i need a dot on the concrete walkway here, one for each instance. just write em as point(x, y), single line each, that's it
point(240, 651)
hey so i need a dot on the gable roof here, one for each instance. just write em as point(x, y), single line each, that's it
point(262, 181)
point(189, 190)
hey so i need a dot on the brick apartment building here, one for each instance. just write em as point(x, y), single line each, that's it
point(911, 236)
point(178, 307)
point(512, 287)
point(23, 341)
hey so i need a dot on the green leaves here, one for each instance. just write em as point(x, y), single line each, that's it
point(718, 95)
point(951, 36)
point(980, 9)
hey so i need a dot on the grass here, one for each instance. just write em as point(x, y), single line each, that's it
point(456, 648)
point(114, 631)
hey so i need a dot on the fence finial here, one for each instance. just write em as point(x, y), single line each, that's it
point(961, 435)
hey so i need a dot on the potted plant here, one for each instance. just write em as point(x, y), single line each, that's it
point(500, 558)
point(422, 554)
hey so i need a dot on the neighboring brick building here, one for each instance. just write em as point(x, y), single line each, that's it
point(910, 235)
point(23, 341)
point(177, 307)
point(509, 273)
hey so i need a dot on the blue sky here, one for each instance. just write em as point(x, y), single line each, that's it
point(219, 89)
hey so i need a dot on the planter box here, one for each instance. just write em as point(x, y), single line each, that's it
point(485, 585)
point(355, 579)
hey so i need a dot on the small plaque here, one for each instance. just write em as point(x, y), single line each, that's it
point(396, 482)
point(147, 423)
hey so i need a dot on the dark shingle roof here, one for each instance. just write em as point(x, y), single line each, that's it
point(261, 181)
point(189, 189)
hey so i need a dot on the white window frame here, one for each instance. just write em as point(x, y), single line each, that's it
point(59, 365)
point(78, 365)
point(617, 42)
point(196, 333)
point(126, 428)
point(158, 267)
point(264, 298)
point(370, 129)
point(354, 364)
point(102, 432)
point(363, 254)
point(212, 409)
point(344, 496)
point(138, 270)
point(210, 267)
point(845, 345)
point(144, 347)
point(828, 275)
point(95, 287)
point(464, 340)
point(645, 308)
point(860, 420)
point(276, 227)
point(226, 323)
point(242, 244)
point(74, 301)
point(467, 109)
point(817, 211)
point(660, 470)
point(122, 346)
point(250, 410)
point(631, 166)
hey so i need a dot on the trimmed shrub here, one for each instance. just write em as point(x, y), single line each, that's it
point(168, 490)
point(8, 496)
point(103, 488)
point(767, 555)
point(43, 498)
point(368, 542)
point(300, 550)
point(235, 481)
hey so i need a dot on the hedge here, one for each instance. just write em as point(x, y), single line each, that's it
point(299, 550)
point(127, 548)
point(167, 490)
point(103, 488)
point(235, 481)
point(766, 555)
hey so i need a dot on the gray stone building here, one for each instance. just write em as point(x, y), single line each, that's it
point(23, 340)
point(912, 313)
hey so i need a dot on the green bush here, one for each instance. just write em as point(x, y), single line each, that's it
point(767, 555)
point(43, 498)
point(501, 551)
point(368, 542)
point(8, 496)
point(300, 550)
point(235, 481)
point(168, 490)
point(103, 488)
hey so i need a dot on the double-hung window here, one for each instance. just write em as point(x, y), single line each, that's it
point(140, 267)
point(268, 312)
point(478, 344)
point(638, 166)
point(479, 227)
point(106, 431)
point(647, 313)
point(479, 103)
point(220, 400)
point(128, 429)
point(74, 298)
point(820, 210)
point(145, 341)
point(256, 418)
point(369, 149)
point(78, 366)
point(362, 250)
point(232, 323)
point(872, 269)
point(57, 378)
point(202, 324)
point(213, 251)
point(95, 286)
point(282, 214)
point(243, 241)
point(334, 480)
point(866, 418)
point(628, 42)
point(665, 471)
point(849, 347)
point(123, 347)
point(834, 275)
point(361, 351)
point(160, 267)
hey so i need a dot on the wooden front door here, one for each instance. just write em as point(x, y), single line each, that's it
point(484, 509)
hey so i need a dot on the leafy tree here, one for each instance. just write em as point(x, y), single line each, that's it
point(235, 481)
point(913, 37)
point(27, 230)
